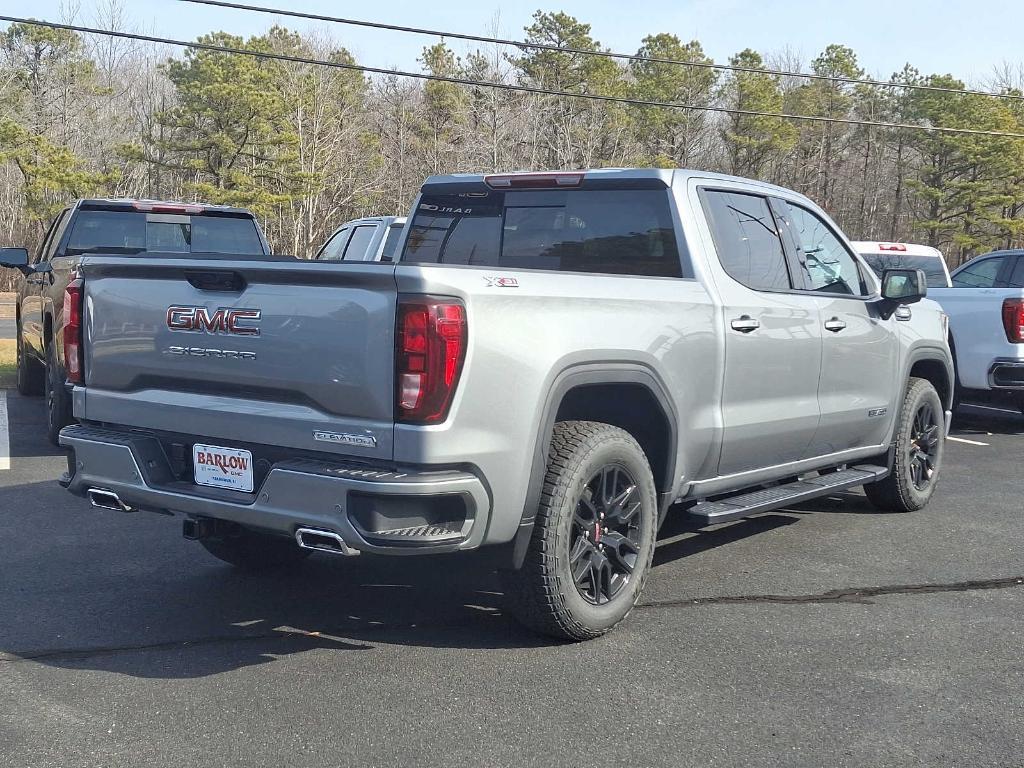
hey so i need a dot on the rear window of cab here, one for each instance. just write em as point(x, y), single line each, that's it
point(133, 232)
point(616, 232)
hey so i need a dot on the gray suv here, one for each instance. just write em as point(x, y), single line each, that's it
point(555, 362)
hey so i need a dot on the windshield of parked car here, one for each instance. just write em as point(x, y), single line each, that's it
point(137, 232)
point(930, 265)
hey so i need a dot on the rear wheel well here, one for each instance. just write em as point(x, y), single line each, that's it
point(936, 373)
point(632, 407)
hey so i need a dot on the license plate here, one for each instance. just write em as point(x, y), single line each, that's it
point(229, 468)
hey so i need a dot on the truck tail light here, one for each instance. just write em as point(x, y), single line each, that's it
point(431, 346)
point(73, 304)
point(1013, 320)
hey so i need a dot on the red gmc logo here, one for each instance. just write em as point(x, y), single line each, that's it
point(240, 322)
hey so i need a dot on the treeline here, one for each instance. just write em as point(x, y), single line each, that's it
point(308, 147)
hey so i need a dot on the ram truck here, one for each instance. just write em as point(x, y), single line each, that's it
point(49, 292)
point(986, 321)
point(553, 362)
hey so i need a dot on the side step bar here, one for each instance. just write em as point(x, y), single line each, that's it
point(767, 499)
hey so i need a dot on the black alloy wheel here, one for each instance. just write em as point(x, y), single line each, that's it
point(606, 534)
point(924, 446)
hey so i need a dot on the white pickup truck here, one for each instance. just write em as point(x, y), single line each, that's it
point(986, 324)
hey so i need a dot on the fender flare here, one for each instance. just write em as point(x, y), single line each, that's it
point(921, 354)
point(929, 353)
point(568, 379)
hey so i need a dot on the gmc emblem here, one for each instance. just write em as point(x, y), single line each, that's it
point(240, 322)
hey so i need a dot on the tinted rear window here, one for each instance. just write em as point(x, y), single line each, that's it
point(931, 266)
point(137, 232)
point(619, 232)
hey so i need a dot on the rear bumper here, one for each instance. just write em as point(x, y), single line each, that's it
point(394, 511)
point(1006, 374)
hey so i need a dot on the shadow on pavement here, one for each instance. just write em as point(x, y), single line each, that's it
point(983, 420)
point(98, 590)
point(678, 524)
point(26, 418)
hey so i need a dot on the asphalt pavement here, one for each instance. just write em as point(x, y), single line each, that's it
point(826, 635)
point(7, 329)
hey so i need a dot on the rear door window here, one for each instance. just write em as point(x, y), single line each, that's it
point(359, 242)
point(984, 273)
point(1017, 277)
point(747, 239)
point(617, 232)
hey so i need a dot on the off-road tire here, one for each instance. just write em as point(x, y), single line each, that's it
point(542, 593)
point(897, 492)
point(254, 552)
point(30, 372)
point(58, 401)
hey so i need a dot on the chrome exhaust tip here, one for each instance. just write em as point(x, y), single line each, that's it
point(323, 541)
point(107, 500)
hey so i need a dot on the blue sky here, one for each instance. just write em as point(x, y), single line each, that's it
point(966, 39)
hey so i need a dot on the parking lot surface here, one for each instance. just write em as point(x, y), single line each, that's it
point(826, 635)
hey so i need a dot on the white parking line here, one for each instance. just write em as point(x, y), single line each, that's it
point(5, 440)
point(965, 440)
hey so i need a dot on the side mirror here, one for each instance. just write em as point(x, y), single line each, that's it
point(904, 285)
point(14, 258)
point(900, 287)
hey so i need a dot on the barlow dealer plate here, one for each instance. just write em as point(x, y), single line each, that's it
point(229, 468)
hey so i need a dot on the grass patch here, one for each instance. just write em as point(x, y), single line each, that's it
point(8, 363)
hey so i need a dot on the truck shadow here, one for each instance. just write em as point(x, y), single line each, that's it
point(101, 591)
point(26, 418)
point(971, 420)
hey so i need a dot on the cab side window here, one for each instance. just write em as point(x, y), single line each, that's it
point(43, 253)
point(827, 265)
point(361, 239)
point(335, 247)
point(984, 273)
point(1017, 278)
point(747, 239)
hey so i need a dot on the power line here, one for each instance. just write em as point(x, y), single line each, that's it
point(603, 54)
point(504, 86)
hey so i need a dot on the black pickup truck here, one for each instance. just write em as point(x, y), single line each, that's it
point(49, 295)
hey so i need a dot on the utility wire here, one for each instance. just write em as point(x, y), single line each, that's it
point(503, 86)
point(603, 54)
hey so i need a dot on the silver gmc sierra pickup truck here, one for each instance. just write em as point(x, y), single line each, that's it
point(554, 360)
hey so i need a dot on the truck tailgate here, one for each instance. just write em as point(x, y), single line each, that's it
point(297, 354)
